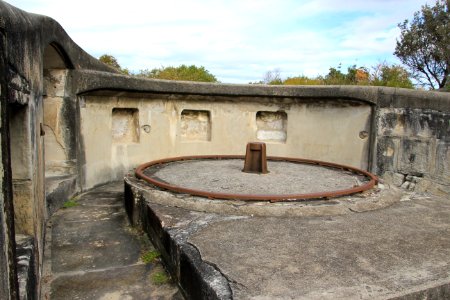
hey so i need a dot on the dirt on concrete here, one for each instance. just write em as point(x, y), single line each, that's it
point(93, 253)
point(395, 251)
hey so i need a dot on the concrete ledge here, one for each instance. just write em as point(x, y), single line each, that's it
point(138, 192)
point(58, 190)
point(196, 278)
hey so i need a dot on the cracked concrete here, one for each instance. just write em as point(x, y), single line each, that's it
point(92, 252)
point(401, 251)
point(379, 254)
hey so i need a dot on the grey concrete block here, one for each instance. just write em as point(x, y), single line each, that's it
point(443, 162)
point(416, 156)
point(398, 179)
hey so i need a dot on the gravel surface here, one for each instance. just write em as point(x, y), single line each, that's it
point(226, 176)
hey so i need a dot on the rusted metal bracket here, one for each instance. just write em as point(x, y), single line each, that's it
point(255, 158)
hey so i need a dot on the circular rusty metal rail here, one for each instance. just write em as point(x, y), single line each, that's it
point(251, 197)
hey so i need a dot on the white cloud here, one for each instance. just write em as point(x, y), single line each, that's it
point(236, 40)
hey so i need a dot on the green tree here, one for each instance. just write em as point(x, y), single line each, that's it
point(183, 72)
point(383, 74)
point(424, 45)
point(112, 62)
point(391, 75)
point(335, 76)
point(303, 80)
point(354, 76)
point(357, 76)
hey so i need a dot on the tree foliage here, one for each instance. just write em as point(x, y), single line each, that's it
point(354, 76)
point(303, 80)
point(424, 45)
point(391, 75)
point(382, 74)
point(183, 72)
point(112, 62)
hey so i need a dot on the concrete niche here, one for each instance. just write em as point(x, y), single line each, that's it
point(271, 126)
point(195, 125)
point(125, 125)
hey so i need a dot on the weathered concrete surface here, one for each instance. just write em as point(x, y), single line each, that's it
point(380, 254)
point(58, 189)
point(8, 271)
point(315, 129)
point(92, 253)
point(413, 148)
point(399, 251)
point(139, 191)
point(25, 257)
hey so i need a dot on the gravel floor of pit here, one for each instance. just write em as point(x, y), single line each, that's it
point(226, 176)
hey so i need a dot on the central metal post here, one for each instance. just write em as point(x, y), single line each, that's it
point(255, 158)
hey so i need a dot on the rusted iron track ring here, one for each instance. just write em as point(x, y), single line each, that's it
point(251, 197)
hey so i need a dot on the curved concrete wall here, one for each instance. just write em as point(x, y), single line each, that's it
point(161, 126)
point(402, 135)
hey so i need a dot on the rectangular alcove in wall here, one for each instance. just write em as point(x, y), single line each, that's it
point(125, 125)
point(271, 126)
point(195, 125)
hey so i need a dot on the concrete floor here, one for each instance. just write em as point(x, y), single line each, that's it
point(400, 251)
point(373, 255)
point(93, 253)
point(397, 252)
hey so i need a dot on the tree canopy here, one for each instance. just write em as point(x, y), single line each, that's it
point(391, 75)
point(382, 74)
point(112, 62)
point(424, 45)
point(354, 76)
point(183, 72)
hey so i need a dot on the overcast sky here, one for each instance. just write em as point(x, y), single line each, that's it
point(236, 40)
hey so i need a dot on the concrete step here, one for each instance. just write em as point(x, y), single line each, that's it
point(93, 253)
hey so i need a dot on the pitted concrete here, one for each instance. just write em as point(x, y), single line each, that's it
point(379, 254)
point(379, 197)
point(93, 253)
point(397, 252)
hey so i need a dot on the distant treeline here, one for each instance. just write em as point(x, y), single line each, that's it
point(381, 75)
